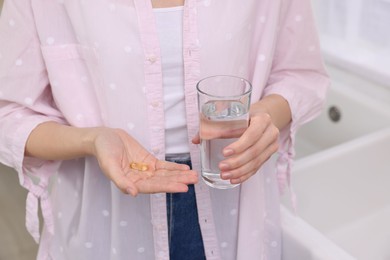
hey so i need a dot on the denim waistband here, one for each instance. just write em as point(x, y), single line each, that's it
point(174, 157)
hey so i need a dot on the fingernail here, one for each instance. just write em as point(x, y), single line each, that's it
point(223, 166)
point(226, 175)
point(228, 152)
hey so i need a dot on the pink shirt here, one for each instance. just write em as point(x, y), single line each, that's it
point(90, 63)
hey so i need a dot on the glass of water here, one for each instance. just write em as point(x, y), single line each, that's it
point(223, 103)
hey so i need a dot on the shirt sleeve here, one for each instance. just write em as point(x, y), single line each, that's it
point(25, 95)
point(25, 102)
point(297, 74)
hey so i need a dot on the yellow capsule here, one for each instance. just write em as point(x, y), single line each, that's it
point(139, 166)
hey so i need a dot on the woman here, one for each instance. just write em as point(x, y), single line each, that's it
point(98, 96)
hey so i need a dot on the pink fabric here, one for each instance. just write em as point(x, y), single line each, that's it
point(90, 63)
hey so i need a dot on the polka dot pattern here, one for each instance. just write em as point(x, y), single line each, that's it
point(19, 62)
point(11, 23)
point(115, 85)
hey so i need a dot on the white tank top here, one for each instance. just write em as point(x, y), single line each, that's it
point(170, 30)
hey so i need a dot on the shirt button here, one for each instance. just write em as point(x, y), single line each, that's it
point(155, 104)
point(155, 151)
point(152, 59)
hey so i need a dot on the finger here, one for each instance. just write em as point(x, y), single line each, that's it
point(159, 185)
point(254, 132)
point(243, 170)
point(243, 173)
point(187, 177)
point(196, 139)
point(118, 177)
point(268, 140)
point(166, 165)
point(242, 178)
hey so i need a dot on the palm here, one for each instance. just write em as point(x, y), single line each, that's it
point(116, 150)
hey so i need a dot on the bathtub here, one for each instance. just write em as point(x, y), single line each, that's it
point(349, 113)
point(342, 182)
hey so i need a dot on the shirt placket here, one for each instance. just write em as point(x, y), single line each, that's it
point(191, 56)
point(154, 96)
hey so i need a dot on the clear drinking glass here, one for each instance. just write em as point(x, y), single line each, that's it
point(223, 103)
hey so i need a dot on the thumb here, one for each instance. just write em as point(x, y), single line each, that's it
point(196, 139)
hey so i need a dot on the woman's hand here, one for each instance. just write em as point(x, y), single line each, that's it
point(115, 150)
point(245, 156)
point(258, 143)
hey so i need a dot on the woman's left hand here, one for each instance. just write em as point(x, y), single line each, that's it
point(245, 156)
point(259, 142)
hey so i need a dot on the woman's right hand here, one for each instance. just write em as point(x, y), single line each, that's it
point(115, 150)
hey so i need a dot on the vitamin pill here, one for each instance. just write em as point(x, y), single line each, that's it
point(139, 166)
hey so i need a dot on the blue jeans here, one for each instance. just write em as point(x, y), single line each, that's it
point(185, 238)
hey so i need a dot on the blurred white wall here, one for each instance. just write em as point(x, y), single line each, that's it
point(355, 35)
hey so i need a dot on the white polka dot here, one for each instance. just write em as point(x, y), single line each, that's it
point(114, 251)
point(207, 3)
point(1, 94)
point(233, 212)
point(224, 244)
point(298, 18)
point(60, 1)
point(88, 245)
point(61, 249)
point(123, 223)
point(112, 7)
point(11, 22)
point(50, 40)
point(59, 180)
point(197, 42)
point(18, 116)
point(127, 49)
point(161, 254)
point(141, 250)
point(228, 36)
point(105, 213)
point(112, 86)
point(79, 117)
point(19, 62)
point(59, 214)
point(268, 180)
point(263, 19)
point(130, 126)
point(28, 100)
point(274, 244)
point(312, 48)
point(261, 57)
point(76, 194)
point(96, 44)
